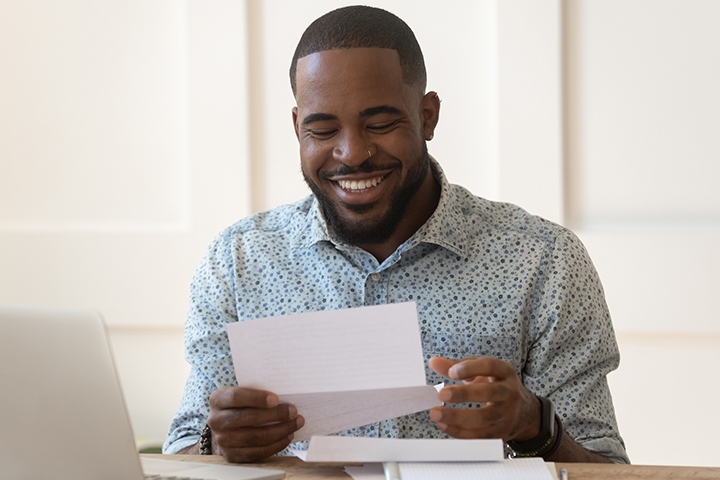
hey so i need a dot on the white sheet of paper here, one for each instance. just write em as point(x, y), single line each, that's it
point(363, 449)
point(340, 368)
point(369, 471)
point(516, 469)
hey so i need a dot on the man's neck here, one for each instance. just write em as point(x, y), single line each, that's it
point(422, 206)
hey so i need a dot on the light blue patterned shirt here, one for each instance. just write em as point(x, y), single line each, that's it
point(488, 279)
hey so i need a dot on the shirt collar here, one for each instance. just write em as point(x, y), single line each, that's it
point(313, 228)
point(445, 227)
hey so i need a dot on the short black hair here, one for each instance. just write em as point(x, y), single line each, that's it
point(362, 27)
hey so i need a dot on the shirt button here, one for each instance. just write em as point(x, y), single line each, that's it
point(375, 276)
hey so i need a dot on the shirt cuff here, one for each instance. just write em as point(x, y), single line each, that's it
point(181, 443)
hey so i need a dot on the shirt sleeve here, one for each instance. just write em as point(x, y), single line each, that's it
point(574, 348)
point(212, 306)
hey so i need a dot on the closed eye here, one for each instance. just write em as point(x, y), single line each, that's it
point(382, 127)
point(322, 133)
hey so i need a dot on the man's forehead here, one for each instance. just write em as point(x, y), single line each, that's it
point(353, 63)
point(348, 73)
point(341, 55)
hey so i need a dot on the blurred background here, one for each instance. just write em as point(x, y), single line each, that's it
point(132, 132)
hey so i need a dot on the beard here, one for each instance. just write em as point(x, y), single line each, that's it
point(372, 231)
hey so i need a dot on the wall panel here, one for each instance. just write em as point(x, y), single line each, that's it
point(94, 123)
point(644, 113)
point(123, 152)
point(529, 123)
point(665, 398)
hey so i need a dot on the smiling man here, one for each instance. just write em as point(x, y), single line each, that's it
point(511, 311)
point(362, 133)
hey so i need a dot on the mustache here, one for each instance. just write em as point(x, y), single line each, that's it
point(343, 169)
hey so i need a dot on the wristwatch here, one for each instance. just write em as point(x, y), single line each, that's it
point(544, 443)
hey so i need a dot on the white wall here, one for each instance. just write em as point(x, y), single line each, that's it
point(131, 133)
point(642, 112)
point(123, 151)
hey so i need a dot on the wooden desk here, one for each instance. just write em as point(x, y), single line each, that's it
point(297, 469)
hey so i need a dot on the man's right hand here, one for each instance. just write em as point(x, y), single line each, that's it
point(250, 425)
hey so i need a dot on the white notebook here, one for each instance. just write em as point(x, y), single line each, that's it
point(516, 469)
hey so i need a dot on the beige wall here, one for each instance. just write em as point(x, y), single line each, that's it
point(131, 133)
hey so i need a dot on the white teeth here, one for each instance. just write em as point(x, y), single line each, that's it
point(358, 185)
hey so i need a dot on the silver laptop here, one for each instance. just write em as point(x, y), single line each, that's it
point(62, 414)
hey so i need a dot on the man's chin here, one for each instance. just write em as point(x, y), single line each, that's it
point(361, 234)
point(359, 227)
point(352, 209)
point(359, 219)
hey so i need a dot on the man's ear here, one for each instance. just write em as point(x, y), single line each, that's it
point(295, 122)
point(430, 111)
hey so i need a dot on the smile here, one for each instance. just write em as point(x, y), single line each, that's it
point(360, 185)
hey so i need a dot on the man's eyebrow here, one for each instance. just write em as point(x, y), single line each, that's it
point(369, 112)
point(317, 117)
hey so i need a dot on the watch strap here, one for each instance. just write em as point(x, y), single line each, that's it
point(559, 434)
point(545, 439)
point(206, 441)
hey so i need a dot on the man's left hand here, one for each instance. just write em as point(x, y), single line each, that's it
point(509, 411)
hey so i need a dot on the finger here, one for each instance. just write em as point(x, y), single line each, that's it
point(233, 397)
point(491, 431)
point(479, 379)
point(479, 392)
point(254, 454)
point(484, 366)
point(230, 418)
point(471, 419)
point(473, 423)
point(263, 436)
point(441, 365)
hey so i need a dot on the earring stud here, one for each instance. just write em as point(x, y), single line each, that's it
point(369, 154)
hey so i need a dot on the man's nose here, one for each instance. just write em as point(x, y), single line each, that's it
point(352, 149)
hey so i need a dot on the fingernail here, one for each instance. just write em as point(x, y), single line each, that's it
point(455, 371)
point(272, 400)
point(290, 437)
point(292, 411)
point(435, 415)
point(442, 426)
point(299, 422)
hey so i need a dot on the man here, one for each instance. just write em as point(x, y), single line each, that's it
point(510, 307)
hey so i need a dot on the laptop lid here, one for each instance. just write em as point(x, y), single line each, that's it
point(61, 407)
point(62, 413)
